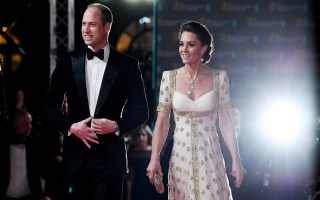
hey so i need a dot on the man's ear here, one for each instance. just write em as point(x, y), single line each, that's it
point(107, 26)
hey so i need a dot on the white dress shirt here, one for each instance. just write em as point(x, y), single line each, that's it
point(94, 74)
point(18, 185)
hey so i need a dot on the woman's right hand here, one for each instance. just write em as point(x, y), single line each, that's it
point(153, 167)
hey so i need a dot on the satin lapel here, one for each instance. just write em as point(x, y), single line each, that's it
point(78, 66)
point(109, 76)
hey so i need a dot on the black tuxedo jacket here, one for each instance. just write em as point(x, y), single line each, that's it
point(36, 163)
point(122, 98)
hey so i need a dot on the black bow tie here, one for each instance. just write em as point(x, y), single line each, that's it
point(91, 54)
point(16, 138)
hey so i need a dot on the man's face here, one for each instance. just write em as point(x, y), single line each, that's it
point(94, 33)
point(23, 124)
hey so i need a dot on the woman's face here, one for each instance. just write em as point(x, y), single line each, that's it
point(190, 48)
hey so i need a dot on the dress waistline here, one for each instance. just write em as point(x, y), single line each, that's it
point(194, 114)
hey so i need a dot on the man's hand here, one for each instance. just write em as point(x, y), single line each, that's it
point(103, 126)
point(82, 131)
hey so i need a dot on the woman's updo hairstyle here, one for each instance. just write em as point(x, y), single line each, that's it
point(203, 35)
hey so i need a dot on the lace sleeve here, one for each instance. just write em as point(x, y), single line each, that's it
point(164, 104)
point(224, 91)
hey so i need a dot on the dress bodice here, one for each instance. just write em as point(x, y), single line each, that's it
point(204, 103)
point(197, 168)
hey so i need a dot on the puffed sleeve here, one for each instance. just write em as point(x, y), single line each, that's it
point(164, 104)
point(224, 91)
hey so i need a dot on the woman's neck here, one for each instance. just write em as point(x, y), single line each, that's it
point(193, 71)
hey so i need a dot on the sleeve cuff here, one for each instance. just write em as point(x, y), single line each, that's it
point(116, 129)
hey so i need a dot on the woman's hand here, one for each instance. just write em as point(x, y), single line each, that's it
point(153, 167)
point(238, 172)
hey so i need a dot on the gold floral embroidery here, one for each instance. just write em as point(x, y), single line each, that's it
point(194, 114)
point(163, 107)
point(197, 130)
point(166, 88)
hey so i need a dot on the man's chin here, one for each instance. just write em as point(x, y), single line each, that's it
point(87, 42)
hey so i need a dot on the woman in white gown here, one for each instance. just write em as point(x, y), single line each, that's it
point(197, 95)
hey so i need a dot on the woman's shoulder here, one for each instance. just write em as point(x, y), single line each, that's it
point(219, 72)
point(168, 73)
point(171, 71)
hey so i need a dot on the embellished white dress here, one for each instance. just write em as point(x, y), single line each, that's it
point(196, 168)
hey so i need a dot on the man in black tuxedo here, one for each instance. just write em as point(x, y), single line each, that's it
point(106, 100)
point(23, 159)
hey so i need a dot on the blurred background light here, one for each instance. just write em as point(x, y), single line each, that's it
point(282, 121)
point(144, 20)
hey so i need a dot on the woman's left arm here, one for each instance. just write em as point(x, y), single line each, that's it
point(226, 125)
point(229, 136)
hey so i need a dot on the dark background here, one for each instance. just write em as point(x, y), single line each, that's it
point(28, 22)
